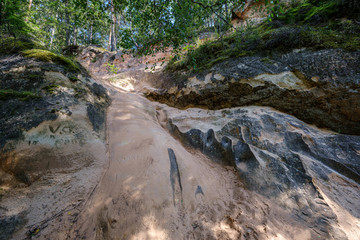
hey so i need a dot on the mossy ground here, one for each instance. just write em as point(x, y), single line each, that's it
point(7, 94)
point(51, 88)
point(31, 49)
point(313, 25)
point(47, 56)
point(10, 45)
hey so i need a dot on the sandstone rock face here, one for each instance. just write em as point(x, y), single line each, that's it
point(52, 148)
point(282, 159)
point(249, 13)
point(320, 87)
point(229, 171)
point(252, 12)
point(124, 71)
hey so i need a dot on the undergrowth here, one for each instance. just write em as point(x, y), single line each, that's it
point(311, 24)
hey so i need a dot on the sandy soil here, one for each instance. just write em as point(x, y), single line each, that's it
point(143, 195)
point(147, 185)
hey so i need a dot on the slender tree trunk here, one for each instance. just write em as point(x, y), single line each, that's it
point(53, 33)
point(114, 39)
point(30, 4)
point(1, 15)
point(226, 11)
point(113, 24)
point(91, 33)
point(67, 21)
point(75, 36)
point(109, 43)
point(52, 37)
point(68, 36)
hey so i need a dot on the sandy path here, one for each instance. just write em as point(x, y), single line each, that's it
point(135, 198)
point(154, 188)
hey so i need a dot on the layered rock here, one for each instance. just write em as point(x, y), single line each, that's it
point(313, 175)
point(319, 87)
point(301, 168)
point(249, 12)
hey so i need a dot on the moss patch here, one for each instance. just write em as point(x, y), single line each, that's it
point(11, 45)
point(47, 56)
point(51, 88)
point(7, 94)
point(73, 79)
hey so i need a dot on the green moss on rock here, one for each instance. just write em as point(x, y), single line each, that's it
point(47, 56)
point(278, 35)
point(11, 45)
point(7, 94)
point(51, 88)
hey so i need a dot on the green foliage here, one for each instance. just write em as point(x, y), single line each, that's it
point(277, 35)
point(12, 18)
point(142, 26)
point(47, 56)
point(311, 11)
point(145, 27)
point(111, 68)
point(7, 94)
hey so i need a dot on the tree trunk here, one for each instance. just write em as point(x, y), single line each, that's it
point(52, 37)
point(109, 43)
point(226, 11)
point(75, 36)
point(1, 15)
point(113, 24)
point(67, 21)
point(91, 34)
point(30, 4)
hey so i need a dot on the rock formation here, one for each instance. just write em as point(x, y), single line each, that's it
point(52, 142)
point(235, 152)
point(318, 87)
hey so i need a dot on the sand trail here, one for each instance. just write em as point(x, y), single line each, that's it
point(155, 188)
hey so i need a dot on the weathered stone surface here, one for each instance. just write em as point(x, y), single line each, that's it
point(56, 93)
point(281, 158)
point(320, 88)
point(9, 224)
point(51, 144)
